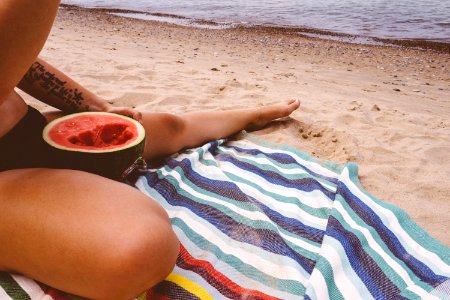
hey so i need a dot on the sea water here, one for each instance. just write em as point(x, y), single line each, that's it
point(395, 19)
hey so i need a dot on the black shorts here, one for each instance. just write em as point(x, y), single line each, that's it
point(24, 147)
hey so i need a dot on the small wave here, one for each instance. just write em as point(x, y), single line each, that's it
point(345, 38)
point(411, 21)
point(173, 19)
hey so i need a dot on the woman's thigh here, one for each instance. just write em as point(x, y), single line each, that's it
point(83, 233)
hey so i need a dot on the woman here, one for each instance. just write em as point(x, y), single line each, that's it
point(75, 231)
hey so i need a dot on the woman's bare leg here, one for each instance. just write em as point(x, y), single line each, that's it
point(167, 133)
point(83, 234)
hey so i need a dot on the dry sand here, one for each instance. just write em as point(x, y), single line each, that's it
point(388, 109)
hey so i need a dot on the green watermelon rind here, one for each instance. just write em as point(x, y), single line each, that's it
point(110, 163)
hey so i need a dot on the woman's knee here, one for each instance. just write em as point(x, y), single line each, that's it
point(139, 251)
point(140, 260)
point(135, 254)
point(174, 124)
point(165, 134)
point(116, 241)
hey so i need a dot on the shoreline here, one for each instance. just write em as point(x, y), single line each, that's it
point(316, 33)
point(385, 108)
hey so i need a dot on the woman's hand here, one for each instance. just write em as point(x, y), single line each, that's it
point(126, 111)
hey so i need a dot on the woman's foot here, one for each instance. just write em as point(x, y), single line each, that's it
point(266, 114)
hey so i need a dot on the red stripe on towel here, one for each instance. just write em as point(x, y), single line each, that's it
point(54, 293)
point(218, 280)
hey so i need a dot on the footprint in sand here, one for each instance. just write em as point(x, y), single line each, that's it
point(234, 83)
point(384, 119)
point(354, 105)
point(246, 86)
point(125, 67)
point(104, 78)
point(148, 74)
point(381, 155)
point(346, 119)
point(131, 78)
point(253, 96)
point(176, 100)
point(396, 136)
point(438, 155)
point(106, 93)
point(251, 87)
point(135, 98)
point(145, 87)
point(216, 89)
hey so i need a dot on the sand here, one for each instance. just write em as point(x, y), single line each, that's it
point(385, 108)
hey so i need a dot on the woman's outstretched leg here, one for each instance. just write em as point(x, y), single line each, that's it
point(167, 133)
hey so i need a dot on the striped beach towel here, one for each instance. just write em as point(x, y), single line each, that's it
point(256, 221)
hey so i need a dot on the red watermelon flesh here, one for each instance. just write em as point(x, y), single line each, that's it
point(93, 132)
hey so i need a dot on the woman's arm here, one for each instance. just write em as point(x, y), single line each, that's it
point(24, 27)
point(49, 85)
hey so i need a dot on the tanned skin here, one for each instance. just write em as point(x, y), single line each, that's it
point(53, 88)
point(25, 25)
point(78, 232)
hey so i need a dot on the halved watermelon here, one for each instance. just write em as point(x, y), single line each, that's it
point(97, 142)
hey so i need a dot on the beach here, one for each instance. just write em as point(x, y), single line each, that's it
point(385, 108)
